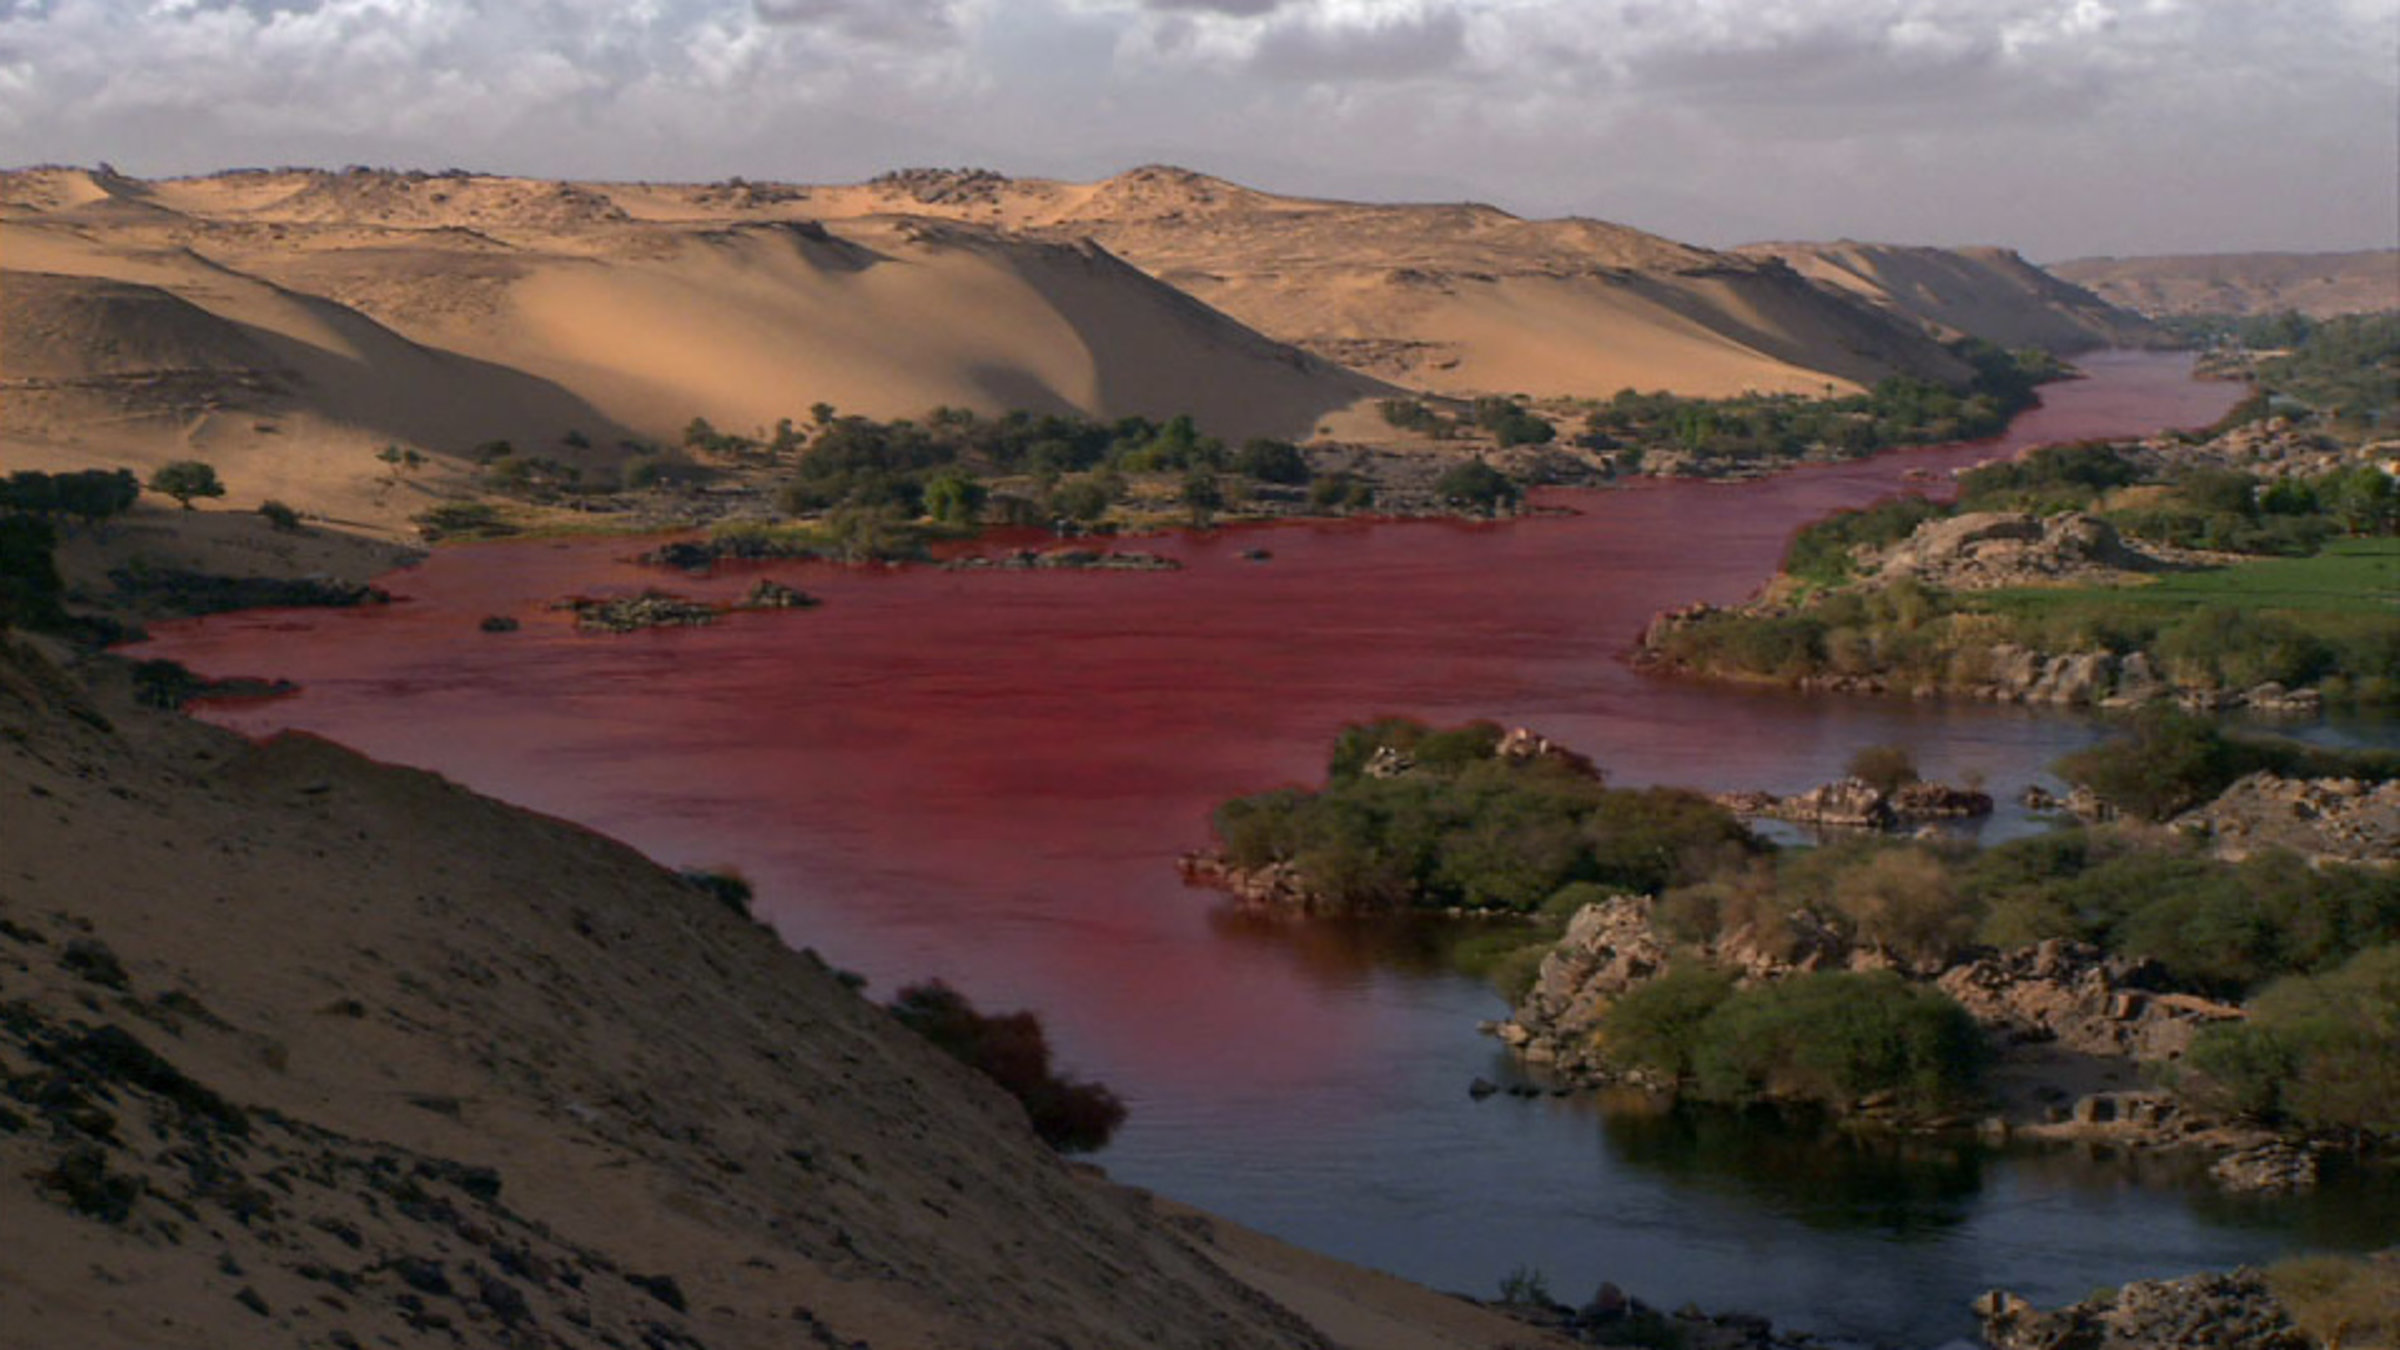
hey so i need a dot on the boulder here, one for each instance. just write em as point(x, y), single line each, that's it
point(2334, 819)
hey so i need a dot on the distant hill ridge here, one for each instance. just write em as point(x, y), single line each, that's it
point(317, 315)
point(1985, 292)
point(2320, 285)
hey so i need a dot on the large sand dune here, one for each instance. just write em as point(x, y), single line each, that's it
point(287, 324)
point(2317, 284)
point(1990, 293)
point(1448, 298)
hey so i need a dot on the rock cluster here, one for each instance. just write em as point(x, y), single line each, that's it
point(2267, 1169)
point(1066, 559)
point(2235, 1311)
point(1984, 550)
point(1854, 803)
point(1613, 1317)
point(2080, 999)
point(2336, 819)
point(632, 613)
point(1608, 948)
point(771, 594)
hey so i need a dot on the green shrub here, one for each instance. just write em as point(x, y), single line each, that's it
point(1834, 1037)
point(1657, 1025)
point(1013, 1051)
point(2169, 761)
point(1887, 767)
point(2321, 1051)
point(279, 516)
point(1473, 483)
point(184, 479)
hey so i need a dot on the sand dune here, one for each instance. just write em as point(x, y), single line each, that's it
point(2318, 284)
point(1448, 298)
point(310, 317)
point(441, 311)
point(1990, 293)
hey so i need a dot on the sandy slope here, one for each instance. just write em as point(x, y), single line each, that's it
point(294, 1045)
point(1451, 298)
point(2319, 284)
point(1990, 293)
point(288, 324)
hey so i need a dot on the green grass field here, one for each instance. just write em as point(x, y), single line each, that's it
point(2350, 576)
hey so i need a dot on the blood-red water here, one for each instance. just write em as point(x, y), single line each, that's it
point(986, 776)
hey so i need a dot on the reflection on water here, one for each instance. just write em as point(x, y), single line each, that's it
point(1907, 1187)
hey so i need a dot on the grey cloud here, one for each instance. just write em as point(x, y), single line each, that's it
point(874, 20)
point(1300, 50)
point(1247, 9)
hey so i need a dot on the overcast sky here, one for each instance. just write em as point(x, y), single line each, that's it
point(2062, 127)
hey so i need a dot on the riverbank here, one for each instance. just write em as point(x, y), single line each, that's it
point(438, 1067)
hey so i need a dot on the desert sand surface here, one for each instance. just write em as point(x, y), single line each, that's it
point(2320, 285)
point(303, 1050)
point(1990, 293)
point(288, 324)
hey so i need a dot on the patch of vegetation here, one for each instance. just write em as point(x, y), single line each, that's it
point(464, 521)
point(1413, 816)
point(1831, 1038)
point(1012, 1050)
point(2169, 761)
point(2319, 1051)
point(2347, 1301)
point(30, 587)
point(1763, 428)
point(89, 495)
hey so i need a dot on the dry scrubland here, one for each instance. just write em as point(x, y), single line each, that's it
point(285, 325)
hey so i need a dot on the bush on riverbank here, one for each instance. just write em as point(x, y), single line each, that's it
point(1831, 1037)
point(1759, 428)
point(2321, 1051)
point(2218, 927)
point(2169, 761)
point(1417, 817)
point(1011, 1049)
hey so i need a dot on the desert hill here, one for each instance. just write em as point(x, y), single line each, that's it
point(1446, 298)
point(309, 318)
point(288, 324)
point(2320, 285)
point(296, 1049)
point(1990, 293)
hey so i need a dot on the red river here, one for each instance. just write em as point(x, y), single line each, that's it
point(986, 776)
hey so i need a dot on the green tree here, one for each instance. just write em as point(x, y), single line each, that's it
point(1476, 484)
point(184, 479)
point(1203, 495)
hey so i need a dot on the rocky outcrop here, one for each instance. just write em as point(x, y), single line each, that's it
point(632, 613)
point(772, 594)
point(1065, 560)
point(2080, 999)
point(661, 609)
point(1275, 888)
point(1853, 803)
point(2328, 819)
point(2234, 1311)
point(1985, 550)
point(1607, 949)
